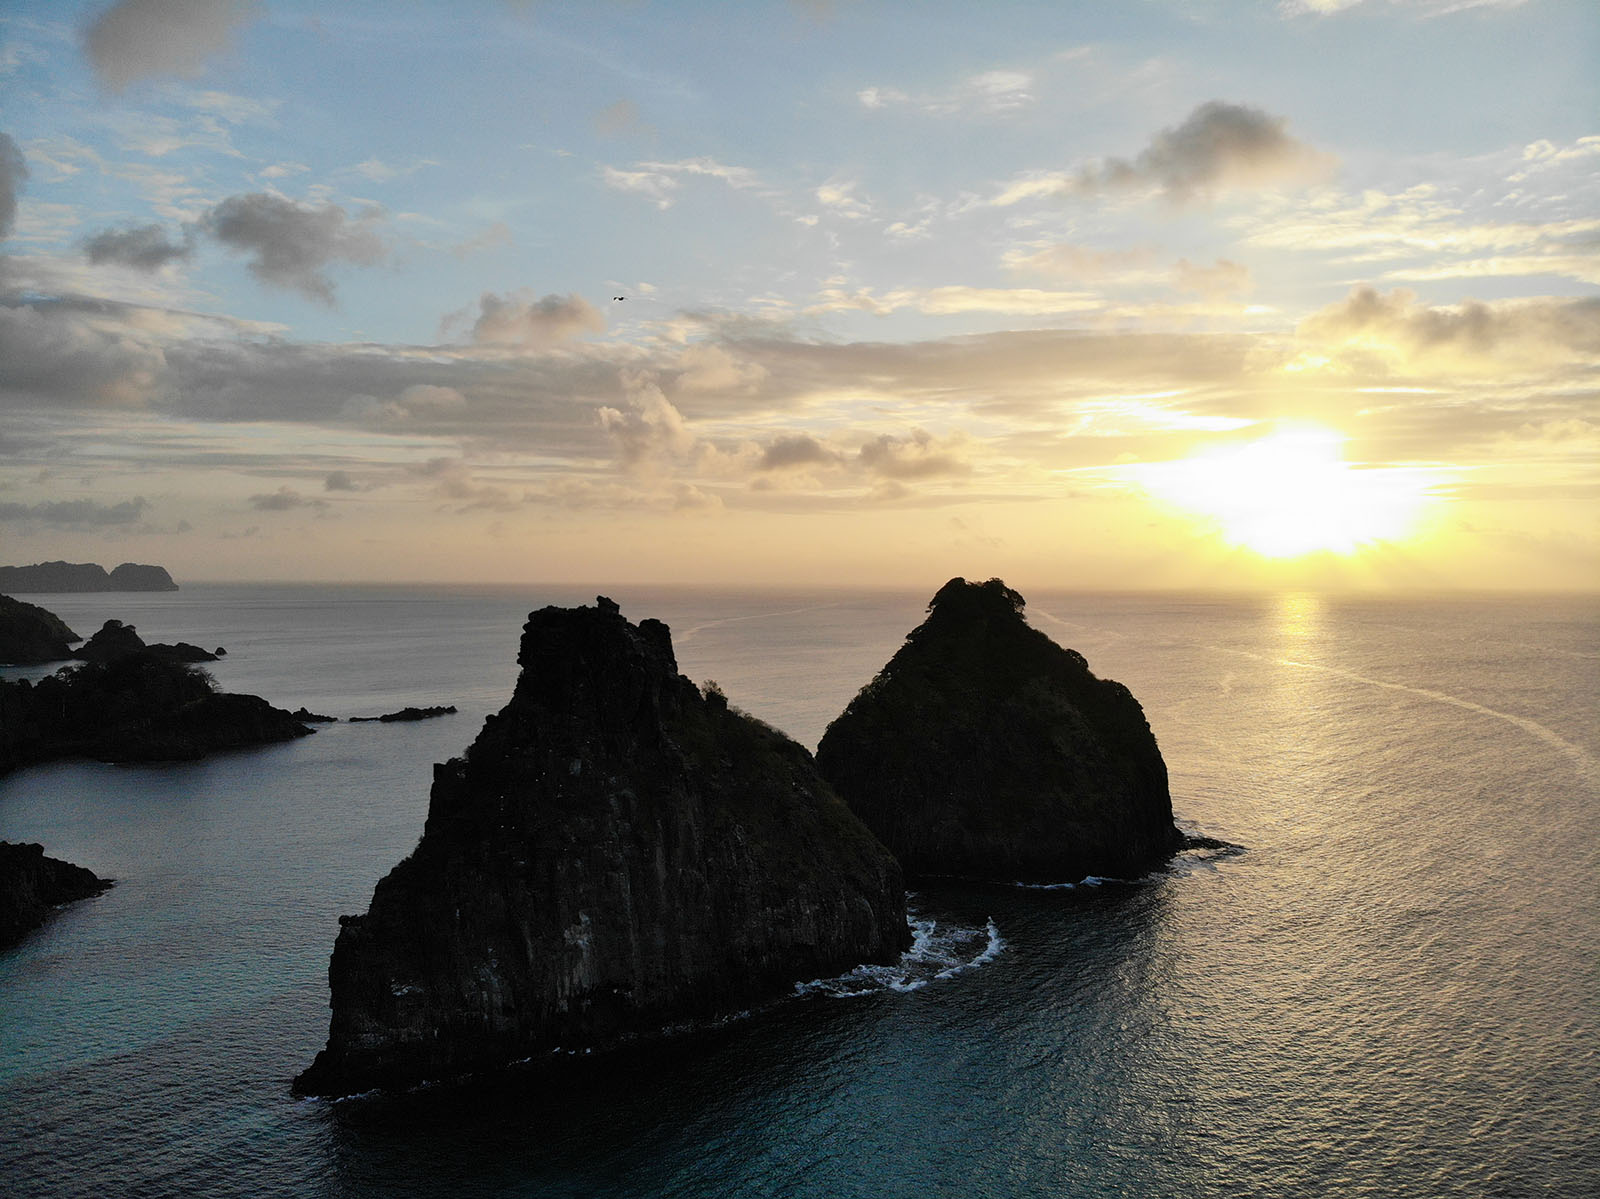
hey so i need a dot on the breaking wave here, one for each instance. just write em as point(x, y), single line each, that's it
point(939, 950)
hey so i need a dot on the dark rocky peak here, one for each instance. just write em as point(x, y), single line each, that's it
point(615, 854)
point(986, 750)
point(114, 640)
point(959, 600)
point(30, 634)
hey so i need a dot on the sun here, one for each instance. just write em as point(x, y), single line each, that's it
point(1292, 493)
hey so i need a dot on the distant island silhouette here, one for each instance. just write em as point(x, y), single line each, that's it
point(84, 576)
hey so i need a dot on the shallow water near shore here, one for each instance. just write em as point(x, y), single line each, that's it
point(1391, 991)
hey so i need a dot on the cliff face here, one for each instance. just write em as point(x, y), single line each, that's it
point(84, 576)
point(31, 884)
point(615, 853)
point(985, 750)
point(30, 635)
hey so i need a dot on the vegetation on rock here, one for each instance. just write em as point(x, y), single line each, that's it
point(984, 750)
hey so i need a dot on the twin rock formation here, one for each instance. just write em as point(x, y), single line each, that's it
point(619, 852)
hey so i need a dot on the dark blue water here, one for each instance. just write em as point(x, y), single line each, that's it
point(1394, 991)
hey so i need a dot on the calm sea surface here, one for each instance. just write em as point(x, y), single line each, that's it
point(1394, 990)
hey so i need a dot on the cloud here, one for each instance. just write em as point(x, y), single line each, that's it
point(838, 197)
point(56, 351)
point(421, 403)
point(1066, 261)
point(516, 319)
point(13, 170)
point(452, 480)
point(285, 499)
point(991, 93)
point(340, 480)
point(1217, 147)
point(78, 514)
point(138, 39)
point(955, 300)
point(619, 120)
point(143, 247)
point(709, 367)
point(800, 449)
point(918, 456)
point(651, 432)
point(660, 181)
point(496, 235)
point(294, 243)
point(1513, 334)
point(1214, 282)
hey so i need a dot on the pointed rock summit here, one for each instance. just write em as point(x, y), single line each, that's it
point(985, 750)
point(616, 852)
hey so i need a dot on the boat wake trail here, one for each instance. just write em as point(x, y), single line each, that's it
point(1588, 766)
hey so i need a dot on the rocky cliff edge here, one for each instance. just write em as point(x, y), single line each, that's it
point(617, 852)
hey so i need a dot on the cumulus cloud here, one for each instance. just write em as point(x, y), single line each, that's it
point(453, 480)
point(1217, 147)
point(918, 456)
point(1399, 330)
point(800, 449)
point(143, 247)
point(517, 319)
point(138, 39)
point(651, 431)
point(285, 499)
point(708, 367)
point(293, 243)
point(77, 514)
point(340, 480)
point(13, 170)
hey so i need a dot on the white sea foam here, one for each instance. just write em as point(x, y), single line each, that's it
point(938, 951)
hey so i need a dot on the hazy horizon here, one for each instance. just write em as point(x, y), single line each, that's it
point(1173, 297)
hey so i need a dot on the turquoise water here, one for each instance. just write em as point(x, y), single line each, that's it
point(1393, 991)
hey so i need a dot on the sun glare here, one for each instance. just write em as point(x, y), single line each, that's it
point(1292, 493)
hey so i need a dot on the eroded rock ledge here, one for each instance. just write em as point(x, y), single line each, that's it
point(615, 853)
point(985, 750)
point(32, 884)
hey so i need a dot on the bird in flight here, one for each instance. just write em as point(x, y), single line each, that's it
point(619, 297)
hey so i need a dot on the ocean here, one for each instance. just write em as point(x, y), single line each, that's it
point(1392, 988)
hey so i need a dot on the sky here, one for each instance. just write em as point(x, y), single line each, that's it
point(1164, 294)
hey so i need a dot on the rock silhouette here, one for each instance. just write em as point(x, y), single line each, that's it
point(32, 884)
point(84, 576)
point(30, 635)
point(116, 640)
point(138, 707)
point(984, 750)
point(615, 853)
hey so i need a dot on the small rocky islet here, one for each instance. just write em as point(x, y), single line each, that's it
point(619, 851)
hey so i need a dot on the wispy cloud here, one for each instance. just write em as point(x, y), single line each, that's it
point(990, 93)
